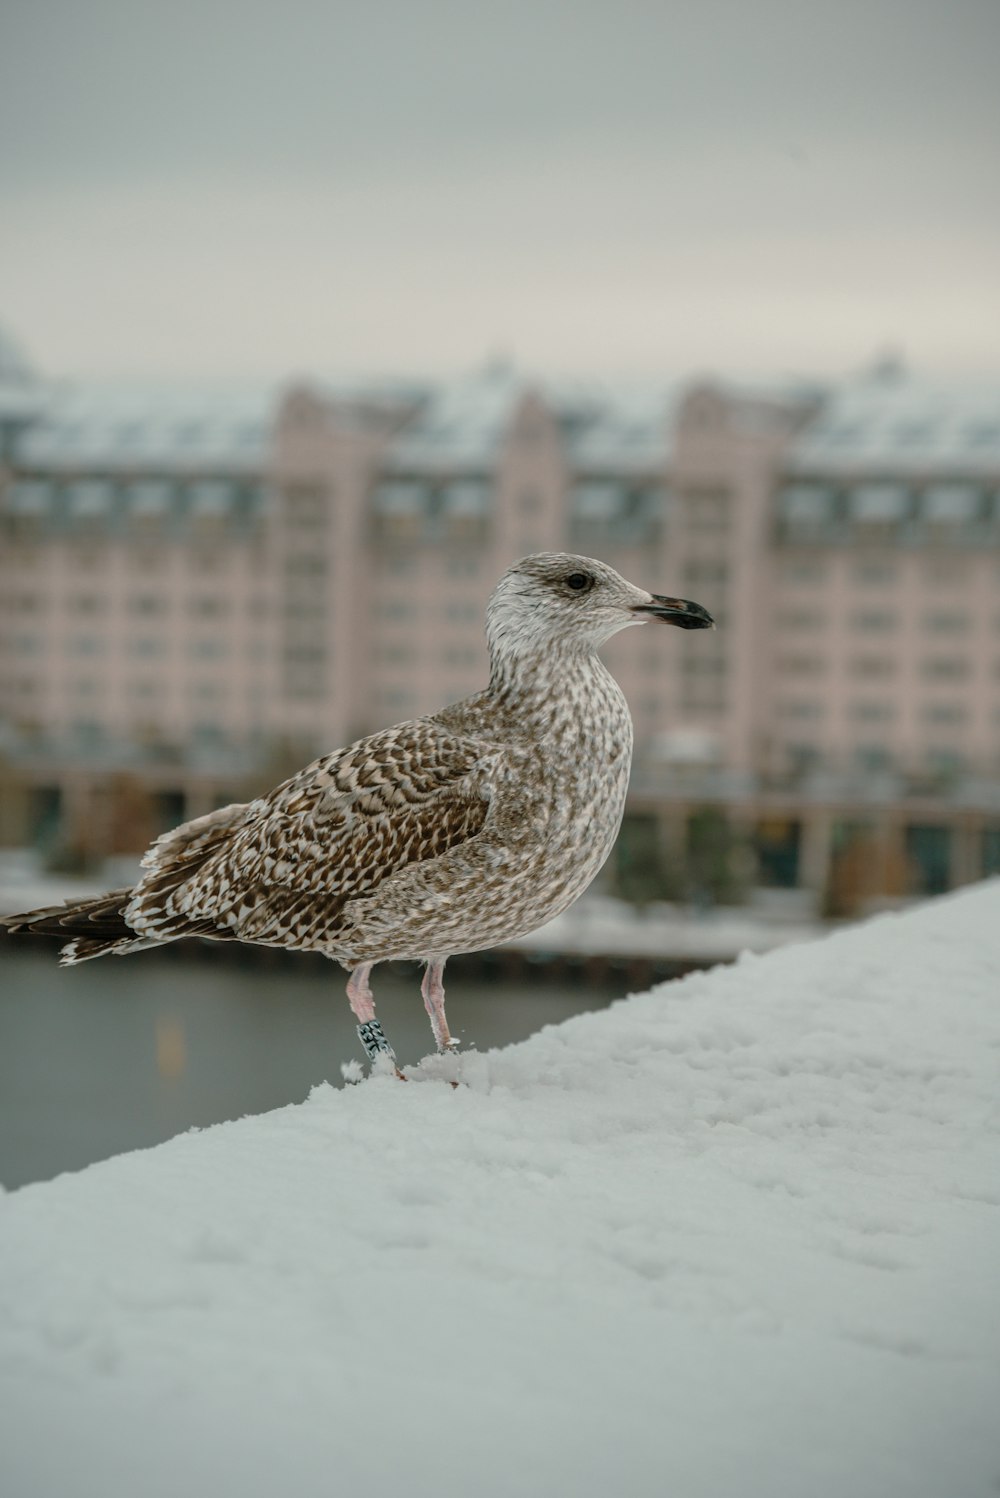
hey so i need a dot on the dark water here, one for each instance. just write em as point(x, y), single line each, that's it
point(123, 1053)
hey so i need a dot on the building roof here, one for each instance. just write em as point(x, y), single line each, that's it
point(891, 422)
point(461, 423)
point(196, 427)
point(628, 428)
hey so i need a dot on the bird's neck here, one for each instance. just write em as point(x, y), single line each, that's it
point(530, 683)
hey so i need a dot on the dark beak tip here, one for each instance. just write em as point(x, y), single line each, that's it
point(679, 611)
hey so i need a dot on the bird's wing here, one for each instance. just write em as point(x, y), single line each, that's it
point(284, 872)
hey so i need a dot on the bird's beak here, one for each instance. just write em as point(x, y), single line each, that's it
point(679, 611)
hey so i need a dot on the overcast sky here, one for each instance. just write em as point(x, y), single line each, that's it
point(604, 186)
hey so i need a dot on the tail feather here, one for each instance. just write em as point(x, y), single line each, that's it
point(97, 925)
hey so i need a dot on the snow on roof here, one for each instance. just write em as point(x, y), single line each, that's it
point(737, 1234)
point(462, 423)
point(149, 426)
point(629, 429)
point(905, 425)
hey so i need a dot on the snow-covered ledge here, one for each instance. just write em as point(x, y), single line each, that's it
point(740, 1235)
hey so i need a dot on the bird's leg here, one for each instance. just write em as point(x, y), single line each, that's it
point(432, 989)
point(370, 1032)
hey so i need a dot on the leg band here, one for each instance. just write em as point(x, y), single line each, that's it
point(373, 1039)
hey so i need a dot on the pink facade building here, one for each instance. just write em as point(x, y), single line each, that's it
point(199, 590)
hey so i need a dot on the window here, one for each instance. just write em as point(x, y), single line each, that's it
point(463, 613)
point(88, 732)
point(872, 758)
point(797, 709)
point(799, 619)
point(950, 504)
point(877, 620)
point(806, 506)
point(462, 655)
point(210, 499)
point(404, 498)
point(874, 574)
point(147, 605)
point(209, 606)
point(305, 610)
point(395, 653)
point(945, 713)
point(802, 665)
point(700, 572)
point(946, 622)
point(208, 648)
point(803, 571)
point(945, 668)
point(309, 654)
point(87, 559)
point(594, 500)
point(29, 497)
point(873, 666)
point(945, 572)
point(87, 644)
point(88, 499)
point(149, 498)
point(305, 564)
point(208, 689)
point(702, 665)
point(26, 603)
point(878, 504)
point(872, 712)
point(88, 605)
point(146, 646)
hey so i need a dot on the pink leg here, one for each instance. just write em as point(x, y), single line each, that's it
point(370, 1032)
point(432, 989)
point(360, 993)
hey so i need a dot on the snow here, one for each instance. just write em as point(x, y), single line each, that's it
point(903, 425)
point(737, 1235)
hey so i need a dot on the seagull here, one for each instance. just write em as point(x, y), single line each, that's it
point(446, 834)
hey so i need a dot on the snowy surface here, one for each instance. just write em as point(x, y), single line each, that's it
point(740, 1235)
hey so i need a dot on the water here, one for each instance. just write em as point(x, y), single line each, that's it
point(121, 1054)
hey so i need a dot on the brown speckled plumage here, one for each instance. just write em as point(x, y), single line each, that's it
point(446, 834)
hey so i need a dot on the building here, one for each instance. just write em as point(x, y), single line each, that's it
point(201, 589)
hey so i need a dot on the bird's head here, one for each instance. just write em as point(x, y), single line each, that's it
point(554, 601)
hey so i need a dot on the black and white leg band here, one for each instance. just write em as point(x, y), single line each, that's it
point(373, 1039)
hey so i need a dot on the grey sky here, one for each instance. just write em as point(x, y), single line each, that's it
point(768, 186)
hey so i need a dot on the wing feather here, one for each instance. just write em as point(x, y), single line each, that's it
point(281, 870)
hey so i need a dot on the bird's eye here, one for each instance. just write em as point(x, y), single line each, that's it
point(579, 581)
